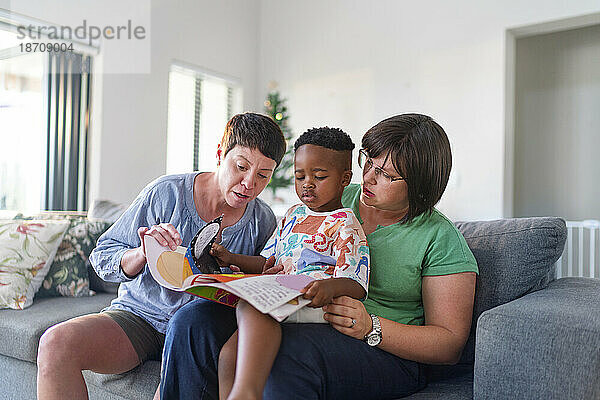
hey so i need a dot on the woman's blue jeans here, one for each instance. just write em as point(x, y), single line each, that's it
point(314, 362)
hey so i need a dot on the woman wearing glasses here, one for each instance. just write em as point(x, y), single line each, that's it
point(421, 289)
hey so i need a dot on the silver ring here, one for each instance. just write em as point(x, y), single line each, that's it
point(353, 323)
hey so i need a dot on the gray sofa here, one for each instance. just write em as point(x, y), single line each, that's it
point(532, 337)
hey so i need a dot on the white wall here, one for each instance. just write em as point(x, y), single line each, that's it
point(130, 110)
point(557, 124)
point(346, 63)
point(217, 35)
point(352, 63)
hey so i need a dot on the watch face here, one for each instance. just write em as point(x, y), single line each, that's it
point(373, 340)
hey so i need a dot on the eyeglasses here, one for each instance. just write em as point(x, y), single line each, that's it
point(366, 162)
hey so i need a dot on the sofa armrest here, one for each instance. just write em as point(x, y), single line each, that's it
point(543, 345)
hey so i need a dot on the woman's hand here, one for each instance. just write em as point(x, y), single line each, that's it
point(134, 260)
point(348, 316)
point(165, 235)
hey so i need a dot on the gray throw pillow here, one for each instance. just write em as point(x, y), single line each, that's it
point(106, 210)
point(515, 257)
point(110, 211)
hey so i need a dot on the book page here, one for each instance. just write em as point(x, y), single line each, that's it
point(172, 270)
point(267, 292)
point(270, 294)
point(166, 266)
point(282, 312)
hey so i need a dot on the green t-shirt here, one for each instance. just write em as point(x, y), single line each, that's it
point(402, 254)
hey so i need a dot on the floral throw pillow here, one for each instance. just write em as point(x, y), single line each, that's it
point(26, 252)
point(68, 275)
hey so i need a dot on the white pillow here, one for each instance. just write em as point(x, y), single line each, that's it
point(27, 248)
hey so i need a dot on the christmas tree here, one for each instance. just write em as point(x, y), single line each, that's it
point(276, 108)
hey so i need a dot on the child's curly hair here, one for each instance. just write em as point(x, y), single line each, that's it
point(330, 138)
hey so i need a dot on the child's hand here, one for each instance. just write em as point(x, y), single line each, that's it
point(270, 268)
point(321, 292)
point(221, 254)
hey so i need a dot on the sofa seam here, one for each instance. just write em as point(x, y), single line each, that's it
point(553, 324)
point(509, 232)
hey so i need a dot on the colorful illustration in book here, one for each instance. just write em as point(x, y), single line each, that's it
point(194, 259)
point(276, 295)
point(198, 254)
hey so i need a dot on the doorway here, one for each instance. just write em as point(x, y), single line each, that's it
point(553, 123)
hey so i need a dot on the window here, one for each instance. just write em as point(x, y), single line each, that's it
point(68, 125)
point(200, 104)
point(44, 120)
point(22, 127)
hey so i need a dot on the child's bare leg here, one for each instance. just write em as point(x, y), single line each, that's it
point(227, 359)
point(259, 337)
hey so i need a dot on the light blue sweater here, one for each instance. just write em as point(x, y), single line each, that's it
point(169, 199)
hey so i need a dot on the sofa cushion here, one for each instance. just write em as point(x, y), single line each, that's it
point(515, 257)
point(544, 345)
point(26, 252)
point(98, 284)
point(139, 383)
point(108, 211)
point(20, 331)
point(454, 384)
point(68, 275)
point(18, 379)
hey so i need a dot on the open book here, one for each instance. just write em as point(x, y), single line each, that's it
point(276, 295)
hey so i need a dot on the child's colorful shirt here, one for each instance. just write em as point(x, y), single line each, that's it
point(321, 244)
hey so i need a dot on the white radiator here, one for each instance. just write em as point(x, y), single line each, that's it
point(581, 255)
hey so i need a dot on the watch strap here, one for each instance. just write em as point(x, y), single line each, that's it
point(374, 337)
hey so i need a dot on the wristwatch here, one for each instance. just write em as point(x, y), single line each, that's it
point(373, 338)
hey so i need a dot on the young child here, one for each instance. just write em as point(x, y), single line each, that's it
point(318, 238)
